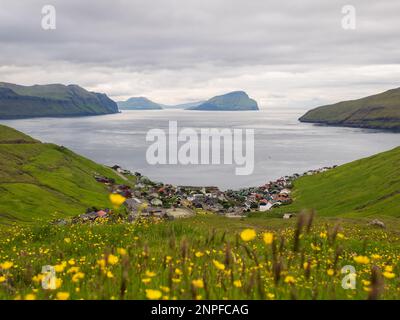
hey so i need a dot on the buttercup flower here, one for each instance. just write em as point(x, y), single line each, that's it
point(198, 283)
point(248, 234)
point(153, 294)
point(6, 265)
point(30, 296)
point(361, 259)
point(219, 265)
point(290, 279)
point(268, 237)
point(117, 200)
point(62, 295)
point(112, 259)
point(237, 283)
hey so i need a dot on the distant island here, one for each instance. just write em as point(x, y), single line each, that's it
point(233, 101)
point(138, 103)
point(380, 111)
point(52, 100)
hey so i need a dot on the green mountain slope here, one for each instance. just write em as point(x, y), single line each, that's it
point(366, 187)
point(233, 101)
point(41, 181)
point(381, 111)
point(138, 103)
point(53, 100)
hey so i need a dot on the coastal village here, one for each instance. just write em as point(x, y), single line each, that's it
point(143, 198)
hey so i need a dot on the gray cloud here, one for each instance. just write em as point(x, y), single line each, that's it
point(282, 53)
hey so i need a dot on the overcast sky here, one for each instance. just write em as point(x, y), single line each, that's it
point(283, 53)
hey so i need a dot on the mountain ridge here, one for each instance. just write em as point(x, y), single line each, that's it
point(232, 101)
point(379, 111)
point(52, 100)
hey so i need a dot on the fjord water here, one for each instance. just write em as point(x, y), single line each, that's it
point(283, 145)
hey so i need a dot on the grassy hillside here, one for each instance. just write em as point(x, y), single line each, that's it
point(366, 187)
point(12, 136)
point(39, 181)
point(381, 111)
point(53, 100)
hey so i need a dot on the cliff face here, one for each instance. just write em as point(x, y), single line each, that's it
point(380, 111)
point(233, 101)
point(52, 101)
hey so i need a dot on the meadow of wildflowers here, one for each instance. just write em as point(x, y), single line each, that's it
point(203, 257)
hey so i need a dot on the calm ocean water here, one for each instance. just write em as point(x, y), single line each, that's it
point(282, 144)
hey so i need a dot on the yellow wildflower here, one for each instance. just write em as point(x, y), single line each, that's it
point(6, 265)
point(270, 296)
point(2, 279)
point(30, 296)
point(71, 262)
point(101, 263)
point(198, 283)
point(315, 247)
point(199, 254)
point(73, 270)
point(219, 265)
point(60, 267)
point(62, 295)
point(178, 271)
point(110, 274)
point(165, 289)
point(268, 237)
point(58, 282)
point(366, 282)
point(117, 200)
point(150, 274)
point(389, 268)
point(388, 275)
point(67, 240)
point(330, 272)
point(112, 259)
point(361, 259)
point(38, 278)
point(78, 276)
point(290, 279)
point(248, 234)
point(121, 251)
point(153, 294)
point(237, 283)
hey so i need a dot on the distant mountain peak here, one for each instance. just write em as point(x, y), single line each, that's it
point(138, 103)
point(232, 101)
